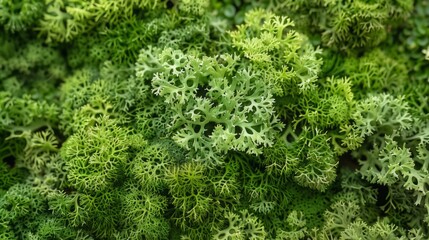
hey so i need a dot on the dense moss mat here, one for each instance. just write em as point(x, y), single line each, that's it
point(211, 119)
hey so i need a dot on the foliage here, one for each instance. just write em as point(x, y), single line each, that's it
point(346, 25)
point(214, 119)
point(217, 106)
